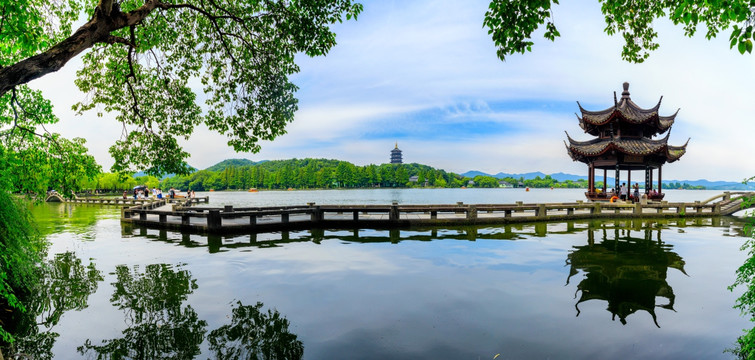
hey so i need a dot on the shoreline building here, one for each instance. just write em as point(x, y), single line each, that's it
point(624, 141)
point(396, 155)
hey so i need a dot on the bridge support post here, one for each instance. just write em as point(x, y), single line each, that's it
point(540, 212)
point(507, 213)
point(214, 221)
point(252, 219)
point(717, 209)
point(570, 211)
point(394, 214)
point(698, 208)
point(228, 208)
point(185, 219)
point(142, 216)
point(317, 215)
point(433, 215)
point(163, 218)
point(596, 208)
point(356, 215)
point(284, 217)
point(472, 212)
point(637, 208)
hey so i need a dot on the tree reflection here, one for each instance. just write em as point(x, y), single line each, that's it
point(66, 285)
point(627, 272)
point(160, 327)
point(254, 334)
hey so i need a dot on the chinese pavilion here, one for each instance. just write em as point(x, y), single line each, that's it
point(396, 155)
point(624, 141)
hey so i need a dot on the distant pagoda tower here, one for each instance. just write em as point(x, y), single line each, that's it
point(624, 141)
point(396, 155)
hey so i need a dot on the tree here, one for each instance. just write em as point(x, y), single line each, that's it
point(140, 55)
point(512, 22)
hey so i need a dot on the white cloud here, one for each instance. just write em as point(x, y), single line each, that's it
point(425, 73)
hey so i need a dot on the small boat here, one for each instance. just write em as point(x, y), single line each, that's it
point(253, 190)
point(212, 189)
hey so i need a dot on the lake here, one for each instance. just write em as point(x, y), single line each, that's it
point(585, 289)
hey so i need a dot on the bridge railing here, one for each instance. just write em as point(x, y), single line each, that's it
point(216, 219)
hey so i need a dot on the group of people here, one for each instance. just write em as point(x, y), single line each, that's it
point(624, 192)
point(145, 193)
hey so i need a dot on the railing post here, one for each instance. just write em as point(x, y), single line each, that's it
point(638, 208)
point(596, 208)
point(570, 211)
point(394, 214)
point(727, 196)
point(698, 208)
point(214, 220)
point(317, 214)
point(471, 212)
point(717, 209)
point(540, 212)
point(507, 213)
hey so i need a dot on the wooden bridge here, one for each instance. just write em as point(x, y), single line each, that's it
point(129, 201)
point(182, 216)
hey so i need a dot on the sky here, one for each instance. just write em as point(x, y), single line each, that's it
point(424, 74)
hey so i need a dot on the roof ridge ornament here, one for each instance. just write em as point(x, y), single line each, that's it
point(625, 93)
point(615, 102)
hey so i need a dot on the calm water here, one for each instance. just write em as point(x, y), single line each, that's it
point(642, 289)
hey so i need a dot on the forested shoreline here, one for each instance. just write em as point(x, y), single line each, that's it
point(321, 174)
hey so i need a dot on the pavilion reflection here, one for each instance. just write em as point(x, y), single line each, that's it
point(626, 266)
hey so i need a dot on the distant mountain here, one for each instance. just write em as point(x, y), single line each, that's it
point(232, 163)
point(561, 177)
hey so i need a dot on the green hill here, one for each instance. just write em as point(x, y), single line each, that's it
point(231, 163)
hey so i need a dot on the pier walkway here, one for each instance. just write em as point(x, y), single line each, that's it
point(181, 215)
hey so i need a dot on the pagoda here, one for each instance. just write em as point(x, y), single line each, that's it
point(624, 141)
point(396, 155)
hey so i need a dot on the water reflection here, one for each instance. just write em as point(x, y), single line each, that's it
point(217, 243)
point(162, 326)
point(628, 272)
point(52, 218)
point(66, 285)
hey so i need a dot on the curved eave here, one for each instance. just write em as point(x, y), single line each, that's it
point(583, 150)
point(626, 110)
point(674, 153)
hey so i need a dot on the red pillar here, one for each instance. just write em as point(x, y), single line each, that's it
point(659, 179)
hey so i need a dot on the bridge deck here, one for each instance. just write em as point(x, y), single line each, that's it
point(182, 216)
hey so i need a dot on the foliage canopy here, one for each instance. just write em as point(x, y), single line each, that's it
point(511, 23)
point(141, 58)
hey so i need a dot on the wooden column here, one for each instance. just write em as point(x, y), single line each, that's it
point(591, 178)
point(616, 188)
point(659, 180)
point(605, 180)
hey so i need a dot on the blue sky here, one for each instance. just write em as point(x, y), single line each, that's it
point(425, 74)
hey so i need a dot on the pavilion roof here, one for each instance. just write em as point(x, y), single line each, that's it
point(583, 150)
point(626, 110)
